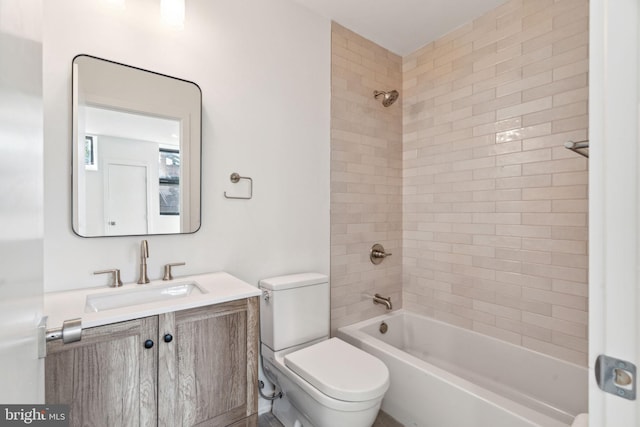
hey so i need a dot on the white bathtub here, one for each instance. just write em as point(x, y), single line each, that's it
point(445, 376)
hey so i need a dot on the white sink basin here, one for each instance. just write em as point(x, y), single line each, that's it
point(143, 295)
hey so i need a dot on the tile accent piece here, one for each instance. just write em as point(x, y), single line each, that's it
point(366, 174)
point(494, 208)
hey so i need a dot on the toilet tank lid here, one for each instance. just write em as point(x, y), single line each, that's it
point(292, 281)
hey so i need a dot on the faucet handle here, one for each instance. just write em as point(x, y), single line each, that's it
point(378, 254)
point(115, 277)
point(167, 270)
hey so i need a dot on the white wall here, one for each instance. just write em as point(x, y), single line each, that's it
point(21, 209)
point(264, 70)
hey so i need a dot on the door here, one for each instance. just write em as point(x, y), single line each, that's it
point(614, 195)
point(21, 212)
point(207, 372)
point(126, 199)
point(109, 377)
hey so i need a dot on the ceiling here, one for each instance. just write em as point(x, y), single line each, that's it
point(401, 26)
point(138, 127)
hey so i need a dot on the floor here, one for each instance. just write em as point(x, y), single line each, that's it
point(383, 420)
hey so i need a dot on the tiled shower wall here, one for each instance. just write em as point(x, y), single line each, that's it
point(492, 224)
point(495, 208)
point(366, 177)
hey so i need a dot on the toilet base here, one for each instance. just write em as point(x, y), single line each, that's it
point(288, 415)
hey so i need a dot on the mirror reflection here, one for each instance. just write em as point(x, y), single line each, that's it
point(136, 151)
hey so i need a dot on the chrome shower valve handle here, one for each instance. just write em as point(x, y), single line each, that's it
point(378, 254)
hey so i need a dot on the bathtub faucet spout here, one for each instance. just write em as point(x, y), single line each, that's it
point(378, 299)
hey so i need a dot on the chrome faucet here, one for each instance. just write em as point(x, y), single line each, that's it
point(144, 254)
point(378, 299)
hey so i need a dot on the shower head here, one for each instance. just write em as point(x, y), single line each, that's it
point(388, 97)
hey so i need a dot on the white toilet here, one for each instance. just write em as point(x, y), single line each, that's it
point(325, 382)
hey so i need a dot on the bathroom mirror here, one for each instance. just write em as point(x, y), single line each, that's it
point(136, 151)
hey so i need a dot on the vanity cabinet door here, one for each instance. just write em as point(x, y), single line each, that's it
point(207, 372)
point(109, 377)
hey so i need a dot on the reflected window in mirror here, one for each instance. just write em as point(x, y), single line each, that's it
point(91, 152)
point(169, 166)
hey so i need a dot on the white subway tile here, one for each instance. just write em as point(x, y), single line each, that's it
point(467, 181)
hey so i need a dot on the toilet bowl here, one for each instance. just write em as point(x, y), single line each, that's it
point(328, 383)
point(325, 382)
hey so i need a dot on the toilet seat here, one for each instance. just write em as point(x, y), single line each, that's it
point(340, 370)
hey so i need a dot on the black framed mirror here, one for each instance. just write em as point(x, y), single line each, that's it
point(136, 167)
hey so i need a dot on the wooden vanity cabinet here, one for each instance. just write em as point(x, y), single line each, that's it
point(107, 378)
point(184, 368)
point(209, 375)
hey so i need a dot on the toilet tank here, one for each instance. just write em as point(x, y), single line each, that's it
point(294, 309)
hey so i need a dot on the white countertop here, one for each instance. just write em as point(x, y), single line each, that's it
point(220, 287)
